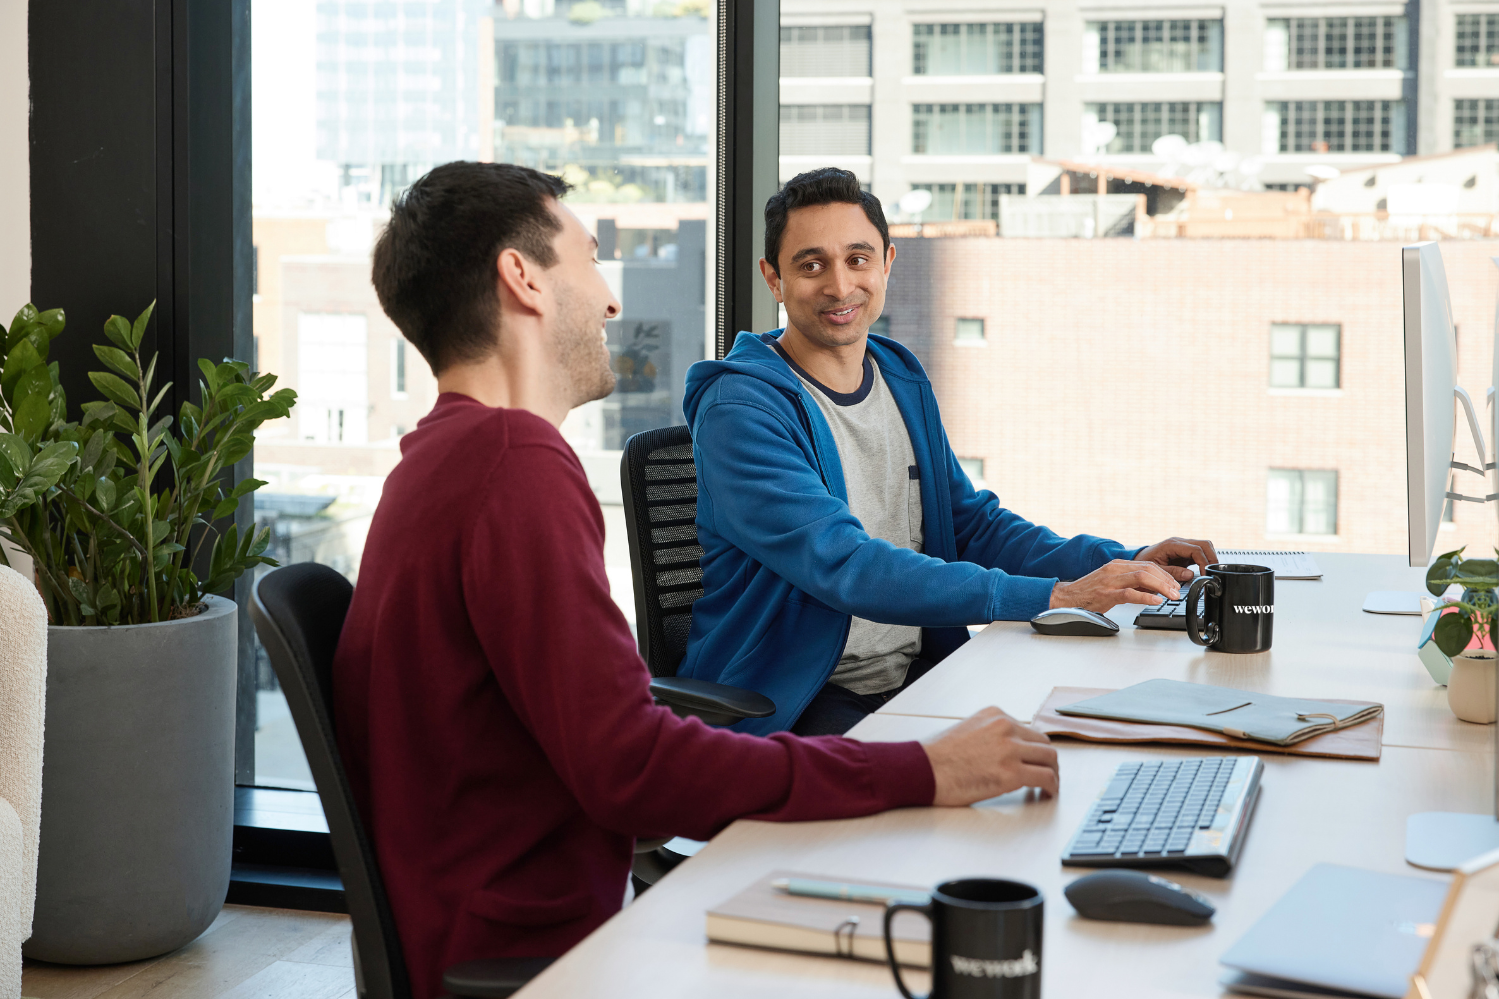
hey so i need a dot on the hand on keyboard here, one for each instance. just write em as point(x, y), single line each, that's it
point(1118, 582)
point(1176, 555)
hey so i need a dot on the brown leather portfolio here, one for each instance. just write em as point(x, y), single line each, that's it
point(1358, 742)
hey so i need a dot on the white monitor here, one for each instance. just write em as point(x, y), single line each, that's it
point(1430, 381)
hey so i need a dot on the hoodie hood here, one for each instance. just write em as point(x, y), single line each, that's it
point(754, 357)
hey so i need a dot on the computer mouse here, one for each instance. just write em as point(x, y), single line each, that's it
point(1137, 897)
point(1073, 621)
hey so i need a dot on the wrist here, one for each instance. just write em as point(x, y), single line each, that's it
point(1059, 596)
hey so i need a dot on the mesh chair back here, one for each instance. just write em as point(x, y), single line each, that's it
point(299, 613)
point(659, 482)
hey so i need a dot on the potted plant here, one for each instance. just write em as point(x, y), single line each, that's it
point(1470, 686)
point(123, 514)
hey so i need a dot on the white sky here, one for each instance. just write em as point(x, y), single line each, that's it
point(283, 117)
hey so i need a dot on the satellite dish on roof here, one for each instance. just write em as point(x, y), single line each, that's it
point(1227, 161)
point(1320, 172)
point(1169, 147)
point(1251, 166)
point(1097, 135)
point(915, 201)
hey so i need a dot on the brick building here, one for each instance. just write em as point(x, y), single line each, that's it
point(1123, 387)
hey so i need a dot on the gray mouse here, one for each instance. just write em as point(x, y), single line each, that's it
point(1073, 621)
point(1137, 897)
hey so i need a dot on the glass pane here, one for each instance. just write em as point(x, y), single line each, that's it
point(1319, 503)
point(1283, 502)
point(1321, 374)
point(1285, 373)
point(1285, 341)
point(1322, 341)
point(353, 101)
point(969, 331)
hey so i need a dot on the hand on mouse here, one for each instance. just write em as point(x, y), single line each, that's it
point(988, 754)
point(1117, 582)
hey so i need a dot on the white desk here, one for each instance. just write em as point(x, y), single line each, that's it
point(1310, 811)
point(1324, 646)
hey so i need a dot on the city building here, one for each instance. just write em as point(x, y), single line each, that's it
point(957, 98)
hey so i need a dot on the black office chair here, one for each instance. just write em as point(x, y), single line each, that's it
point(299, 612)
point(659, 481)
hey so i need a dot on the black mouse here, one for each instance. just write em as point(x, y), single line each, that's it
point(1073, 621)
point(1137, 897)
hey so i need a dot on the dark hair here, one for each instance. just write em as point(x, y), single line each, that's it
point(818, 187)
point(434, 269)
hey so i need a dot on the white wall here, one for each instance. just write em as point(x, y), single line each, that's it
point(15, 165)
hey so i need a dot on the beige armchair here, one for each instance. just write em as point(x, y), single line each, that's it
point(23, 694)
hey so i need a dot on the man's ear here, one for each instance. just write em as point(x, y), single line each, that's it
point(772, 279)
point(889, 259)
point(518, 279)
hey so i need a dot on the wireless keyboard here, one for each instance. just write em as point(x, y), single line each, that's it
point(1169, 616)
point(1191, 813)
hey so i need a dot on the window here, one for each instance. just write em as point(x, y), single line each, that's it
point(973, 467)
point(1477, 40)
point(881, 326)
point(1339, 126)
point(352, 101)
point(975, 129)
point(1301, 502)
point(975, 49)
point(825, 51)
point(969, 332)
point(398, 368)
point(824, 129)
point(1336, 43)
point(1193, 46)
point(1475, 122)
point(965, 201)
point(1139, 125)
point(1304, 356)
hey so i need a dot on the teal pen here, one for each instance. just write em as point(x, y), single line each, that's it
point(840, 891)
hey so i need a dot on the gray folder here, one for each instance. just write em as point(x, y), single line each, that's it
point(1240, 714)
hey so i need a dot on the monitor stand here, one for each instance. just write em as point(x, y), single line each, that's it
point(1443, 841)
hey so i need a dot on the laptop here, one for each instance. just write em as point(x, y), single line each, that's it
point(1339, 932)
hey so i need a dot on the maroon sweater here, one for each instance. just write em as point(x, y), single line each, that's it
point(495, 719)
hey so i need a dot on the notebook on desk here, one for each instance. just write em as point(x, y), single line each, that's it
point(1287, 565)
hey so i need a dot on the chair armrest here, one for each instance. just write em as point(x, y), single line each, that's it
point(714, 703)
point(492, 978)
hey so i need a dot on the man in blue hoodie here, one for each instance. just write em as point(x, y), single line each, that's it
point(844, 549)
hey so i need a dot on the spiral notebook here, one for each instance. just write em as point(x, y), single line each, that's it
point(1287, 565)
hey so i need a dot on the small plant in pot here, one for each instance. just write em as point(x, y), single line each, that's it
point(123, 513)
point(1470, 687)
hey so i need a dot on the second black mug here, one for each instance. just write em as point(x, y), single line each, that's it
point(986, 940)
point(1239, 609)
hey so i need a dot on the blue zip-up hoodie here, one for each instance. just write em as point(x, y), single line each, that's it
point(786, 564)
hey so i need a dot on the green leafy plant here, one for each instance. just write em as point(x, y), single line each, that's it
point(115, 508)
point(1476, 611)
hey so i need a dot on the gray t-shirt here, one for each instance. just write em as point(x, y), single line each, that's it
point(884, 494)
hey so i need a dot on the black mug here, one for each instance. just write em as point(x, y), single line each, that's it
point(986, 940)
point(1239, 609)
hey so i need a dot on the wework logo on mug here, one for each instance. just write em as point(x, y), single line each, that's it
point(1255, 608)
point(1025, 964)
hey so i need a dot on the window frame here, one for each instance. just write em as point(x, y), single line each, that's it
point(1302, 357)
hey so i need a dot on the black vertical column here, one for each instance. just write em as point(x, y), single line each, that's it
point(748, 162)
point(140, 191)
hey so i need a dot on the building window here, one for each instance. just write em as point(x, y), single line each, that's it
point(1336, 43)
point(975, 129)
point(1304, 355)
point(825, 51)
point(975, 49)
point(1475, 122)
point(332, 382)
point(1194, 46)
point(965, 201)
point(1139, 125)
point(973, 467)
point(1477, 40)
point(398, 368)
point(824, 129)
point(881, 326)
point(1339, 126)
point(969, 331)
point(1299, 501)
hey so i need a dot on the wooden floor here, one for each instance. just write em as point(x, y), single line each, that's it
point(248, 953)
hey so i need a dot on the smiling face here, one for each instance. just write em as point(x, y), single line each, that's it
point(584, 303)
point(832, 273)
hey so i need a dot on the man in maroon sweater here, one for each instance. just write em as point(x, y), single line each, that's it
point(492, 710)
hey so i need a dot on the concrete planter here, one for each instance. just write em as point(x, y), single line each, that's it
point(137, 787)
